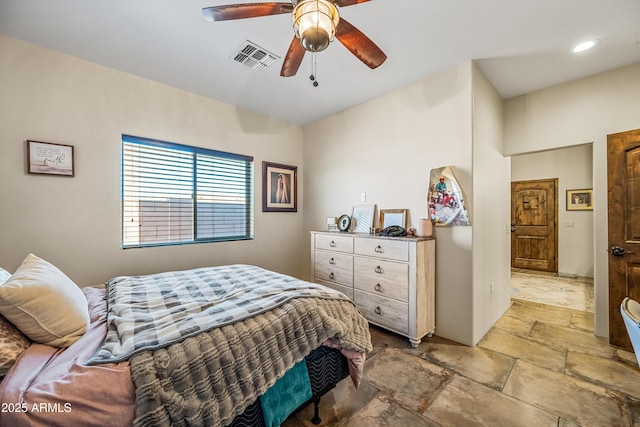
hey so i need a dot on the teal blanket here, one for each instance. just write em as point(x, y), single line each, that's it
point(286, 395)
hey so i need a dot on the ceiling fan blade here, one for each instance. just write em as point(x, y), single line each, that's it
point(343, 3)
point(245, 10)
point(293, 58)
point(359, 44)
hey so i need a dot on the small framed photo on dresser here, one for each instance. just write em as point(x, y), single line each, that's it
point(390, 217)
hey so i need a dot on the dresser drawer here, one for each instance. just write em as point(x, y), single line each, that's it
point(334, 267)
point(384, 278)
point(334, 242)
point(383, 248)
point(347, 290)
point(383, 311)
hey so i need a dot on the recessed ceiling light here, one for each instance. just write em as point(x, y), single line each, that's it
point(585, 46)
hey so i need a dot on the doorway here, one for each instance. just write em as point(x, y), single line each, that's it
point(573, 168)
point(534, 225)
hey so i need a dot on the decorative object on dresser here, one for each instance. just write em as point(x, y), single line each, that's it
point(424, 228)
point(49, 158)
point(391, 280)
point(393, 231)
point(344, 222)
point(332, 223)
point(279, 188)
point(389, 217)
point(362, 218)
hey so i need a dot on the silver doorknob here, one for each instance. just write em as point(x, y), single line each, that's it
point(619, 251)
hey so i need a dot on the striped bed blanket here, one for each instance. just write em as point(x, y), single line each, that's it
point(203, 344)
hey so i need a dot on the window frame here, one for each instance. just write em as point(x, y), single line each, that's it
point(195, 151)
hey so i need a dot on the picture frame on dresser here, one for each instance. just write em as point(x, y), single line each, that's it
point(279, 187)
point(389, 217)
point(48, 158)
point(362, 218)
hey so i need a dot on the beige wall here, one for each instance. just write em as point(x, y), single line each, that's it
point(386, 147)
point(75, 222)
point(573, 166)
point(579, 112)
point(491, 201)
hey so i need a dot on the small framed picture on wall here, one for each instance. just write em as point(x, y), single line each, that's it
point(580, 200)
point(279, 188)
point(50, 159)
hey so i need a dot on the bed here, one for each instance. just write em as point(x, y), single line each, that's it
point(230, 345)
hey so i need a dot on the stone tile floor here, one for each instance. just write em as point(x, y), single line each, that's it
point(540, 365)
point(561, 291)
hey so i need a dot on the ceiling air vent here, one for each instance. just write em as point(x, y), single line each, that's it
point(253, 56)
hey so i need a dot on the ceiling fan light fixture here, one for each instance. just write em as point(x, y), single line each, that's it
point(314, 22)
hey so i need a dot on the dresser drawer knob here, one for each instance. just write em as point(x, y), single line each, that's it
point(379, 288)
point(332, 261)
point(332, 276)
point(379, 270)
point(377, 310)
point(333, 244)
point(379, 249)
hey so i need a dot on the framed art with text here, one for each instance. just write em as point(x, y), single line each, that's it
point(49, 158)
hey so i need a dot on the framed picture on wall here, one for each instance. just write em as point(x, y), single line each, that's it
point(279, 188)
point(50, 159)
point(580, 200)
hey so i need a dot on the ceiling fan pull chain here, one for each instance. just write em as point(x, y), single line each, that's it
point(312, 77)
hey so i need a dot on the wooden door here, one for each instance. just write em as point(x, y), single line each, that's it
point(623, 170)
point(534, 230)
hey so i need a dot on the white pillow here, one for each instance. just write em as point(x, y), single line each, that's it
point(44, 304)
point(4, 275)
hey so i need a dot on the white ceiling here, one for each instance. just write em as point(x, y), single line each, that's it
point(520, 45)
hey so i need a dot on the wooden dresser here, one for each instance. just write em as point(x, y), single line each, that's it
point(390, 279)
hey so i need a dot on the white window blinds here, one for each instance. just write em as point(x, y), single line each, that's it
point(175, 194)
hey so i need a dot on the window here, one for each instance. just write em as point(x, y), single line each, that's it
point(176, 194)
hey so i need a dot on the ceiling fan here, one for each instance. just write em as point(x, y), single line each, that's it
point(315, 22)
